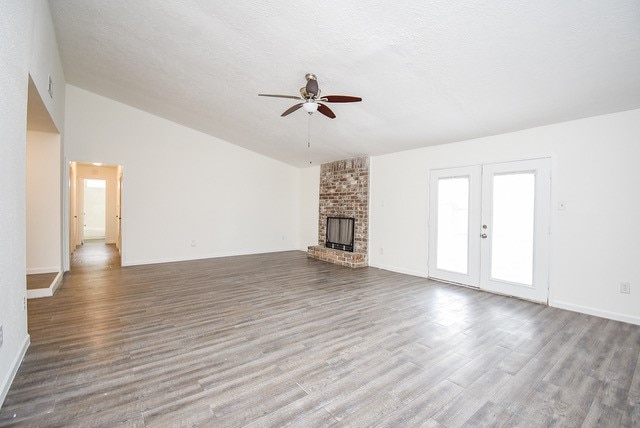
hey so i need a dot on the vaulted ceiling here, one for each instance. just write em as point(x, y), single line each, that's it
point(429, 72)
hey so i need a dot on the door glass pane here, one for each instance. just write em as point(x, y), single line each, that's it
point(453, 224)
point(512, 234)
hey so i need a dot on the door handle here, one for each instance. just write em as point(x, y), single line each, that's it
point(483, 236)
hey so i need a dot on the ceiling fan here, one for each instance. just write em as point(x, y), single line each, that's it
point(310, 96)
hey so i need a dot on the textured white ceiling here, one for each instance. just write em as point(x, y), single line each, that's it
point(429, 72)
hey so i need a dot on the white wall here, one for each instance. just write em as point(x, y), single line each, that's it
point(43, 203)
point(14, 68)
point(594, 242)
point(181, 185)
point(18, 23)
point(309, 206)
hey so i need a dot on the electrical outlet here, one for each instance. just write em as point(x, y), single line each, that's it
point(193, 242)
point(625, 287)
point(382, 251)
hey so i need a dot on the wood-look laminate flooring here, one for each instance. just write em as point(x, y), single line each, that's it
point(95, 254)
point(40, 280)
point(282, 340)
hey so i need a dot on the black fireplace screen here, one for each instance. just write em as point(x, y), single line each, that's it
point(340, 233)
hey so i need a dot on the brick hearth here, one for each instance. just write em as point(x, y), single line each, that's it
point(339, 257)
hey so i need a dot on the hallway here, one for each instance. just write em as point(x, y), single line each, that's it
point(95, 254)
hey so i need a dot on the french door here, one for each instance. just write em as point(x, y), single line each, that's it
point(489, 227)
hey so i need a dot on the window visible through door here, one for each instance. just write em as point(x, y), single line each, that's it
point(94, 208)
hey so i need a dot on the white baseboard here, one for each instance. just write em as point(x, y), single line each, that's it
point(46, 292)
point(8, 380)
point(596, 312)
point(202, 257)
point(399, 270)
point(35, 271)
point(39, 292)
point(56, 282)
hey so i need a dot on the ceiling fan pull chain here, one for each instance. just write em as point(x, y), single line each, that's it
point(309, 139)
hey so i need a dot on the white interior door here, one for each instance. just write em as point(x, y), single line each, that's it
point(489, 227)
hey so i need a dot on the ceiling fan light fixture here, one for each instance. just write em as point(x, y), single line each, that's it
point(310, 107)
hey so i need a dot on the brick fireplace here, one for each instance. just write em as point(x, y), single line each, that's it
point(344, 192)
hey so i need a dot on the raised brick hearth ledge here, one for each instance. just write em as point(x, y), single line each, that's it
point(344, 258)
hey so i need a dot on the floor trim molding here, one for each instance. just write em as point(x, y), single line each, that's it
point(141, 262)
point(398, 270)
point(8, 380)
point(46, 292)
point(595, 312)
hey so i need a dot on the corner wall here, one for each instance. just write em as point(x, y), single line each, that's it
point(186, 195)
point(28, 47)
point(14, 69)
point(309, 206)
point(594, 241)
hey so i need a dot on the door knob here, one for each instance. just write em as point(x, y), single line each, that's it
point(484, 235)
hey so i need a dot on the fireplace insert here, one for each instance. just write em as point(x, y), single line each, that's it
point(340, 233)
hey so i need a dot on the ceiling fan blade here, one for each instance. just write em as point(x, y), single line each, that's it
point(292, 97)
point(341, 99)
point(291, 109)
point(312, 87)
point(326, 111)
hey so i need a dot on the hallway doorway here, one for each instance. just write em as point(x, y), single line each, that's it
point(95, 195)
